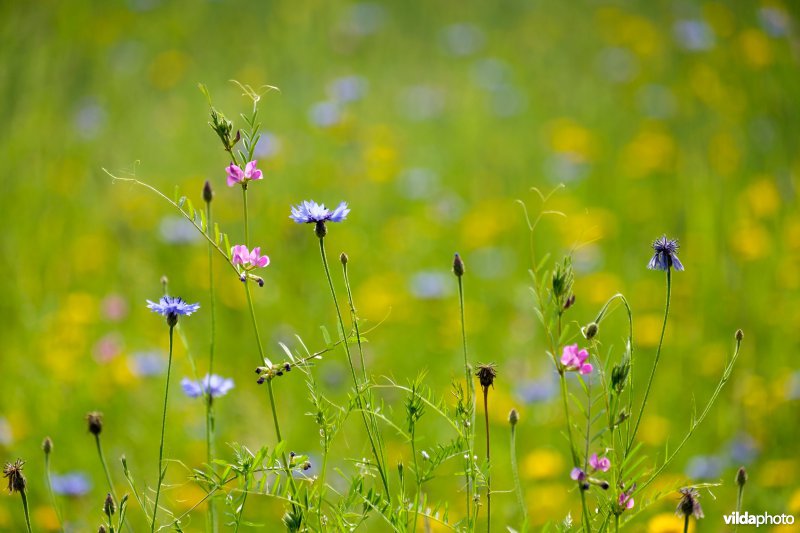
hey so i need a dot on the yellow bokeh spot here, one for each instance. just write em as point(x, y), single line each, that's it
point(485, 222)
point(167, 69)
point(667, 523)
point(763, 197)
point(651, 150)
point(706, 85)
point(380, 294)
point(721, 18)
point(186, 496)
point(79, 308)
point(794, 502)
point(543, 463)
point(654, 430)
point(598, 287)
point(756, 48)
point(547, 500)
point(45, 517)
point(724, 154)
point(750, 241)
point(647, 330)
point(569, 137)
point(778, 473)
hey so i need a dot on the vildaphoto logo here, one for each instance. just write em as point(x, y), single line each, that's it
point(747, 519)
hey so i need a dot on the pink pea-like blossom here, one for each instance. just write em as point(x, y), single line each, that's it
point(240, 255)
point(599, 464)
point(626, 499)
point(237, 175)
point(577, 474)
point(574, 359)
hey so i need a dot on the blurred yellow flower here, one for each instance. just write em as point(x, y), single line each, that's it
point(724, 154)
point(543, 463)
point(546, 501)
point(651, 150)
point(567, 136)
point(488, 219)
point(778, 473)
point(654, 429)
point(750, 240)
point(598, 287)
point(45, 518)
point(794, 502)
point(167, 69)
point(667, 523)
point(762, 196)
point(647, 329)
point(756, 48)
point(380, 294)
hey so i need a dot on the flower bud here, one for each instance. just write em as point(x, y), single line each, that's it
point(208, 194)
point(108, 506)
point(320, 229)
point(458, 266)
point(95, 422)
point(739, 335)
point(343, 258)
point(47, 445)
point(741, 477)
point(513, 417)
point(101, 529)
point(591, 330)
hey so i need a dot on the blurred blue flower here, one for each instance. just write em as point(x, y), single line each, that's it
point(268, 146)
point(178, 230)
point(418, 183)
point(704, 467)
point(462, 39)
point(214, 385)
point(347, 89)
point(793, 387)
point(536, 391)
point(363, 19)
point(144, 364)
point(775, 21)
point(310, 212)
point(71, 484)
point(743, 449)
point(694, 35)
point(422, 102)
point(666, 255)
point(89, 119)
point(430, 285)
point(325, 114)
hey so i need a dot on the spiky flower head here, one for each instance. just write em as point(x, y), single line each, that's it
point(666, 255)
point(690, 503)
point(13, 472)
point(95, 422)
point(172, 307)
point(486, 373)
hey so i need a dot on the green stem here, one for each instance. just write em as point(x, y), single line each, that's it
point(50, 491)
point(488, 462)
point(515, 473)
point(346, 345)
point(25, 508)
point(212, 519)
point(246, 223)
point(655, 363)
point(686, 524)
point(163, 429)
point(470, 407)
point(574, 452)
point(416, 475)
point(108, 475)
point(738, 505)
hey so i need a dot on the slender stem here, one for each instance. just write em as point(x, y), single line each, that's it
point(488, 462)
point(25, 508)
point(470, 407)
point(416, 475)
point(738, 506)
point(163, 429)
point(515, 473)
point(108, 476)
point(246, 223)
point(686, 524)
point(616, 522)
point(574, 452)
point(655, 362)
point(50, 491)
point(210, 423)
point(353, 370)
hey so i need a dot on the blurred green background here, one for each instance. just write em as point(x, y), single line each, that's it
point(430, 119)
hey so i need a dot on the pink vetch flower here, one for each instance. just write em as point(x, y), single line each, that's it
point(249, 259)
point(626, 499)
point(237, 175)
point(577, 474)
point(574, 359)
point(599, 464)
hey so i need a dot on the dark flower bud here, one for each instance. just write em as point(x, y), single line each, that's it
point(237, 138)
point(279, 373)
point(47, 445)
point(13, 472)
point(604, 485)
point(101, 529)
point(619, 375)
point(591, 330)
point(513, 417)
point(243, 278)
point(292, 454)
point(260, 282)
point(458, 266)
point(486, 374)
point(320, 229)
point(261, 380)
point(585, 485)
point(208, 194)
point(108, 506)
point(95, 422)
point(741, 476)
point(739, 335)
point(260, 369)
point(306, 465)
point(172, 319)
point(569, 302)
point(287, 367)
point(343, 258)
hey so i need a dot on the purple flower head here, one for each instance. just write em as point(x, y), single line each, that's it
point(666, 255)
point(240, 255)
point(171, 307)
point(310, 212)
point(599, 464)
point(72, 484)
point(577, 474)
point(237, 175)
point(625, 500)
point(574, 359)
point(213, 385)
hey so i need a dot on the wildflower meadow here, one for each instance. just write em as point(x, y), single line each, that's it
point(370, 266)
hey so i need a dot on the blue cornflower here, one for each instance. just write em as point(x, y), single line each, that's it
point(171, 307)
point(666, 255)
point(310, 212)
point(72, 484)
point(212, 384)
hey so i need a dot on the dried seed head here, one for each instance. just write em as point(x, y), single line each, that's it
point(690, 503)
point(513, 417)
point(458, 266)
point(108, 506)
point(13, 472)
point(741, 476)
point(486, 373)
point(47, 445)
point(95, 422)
